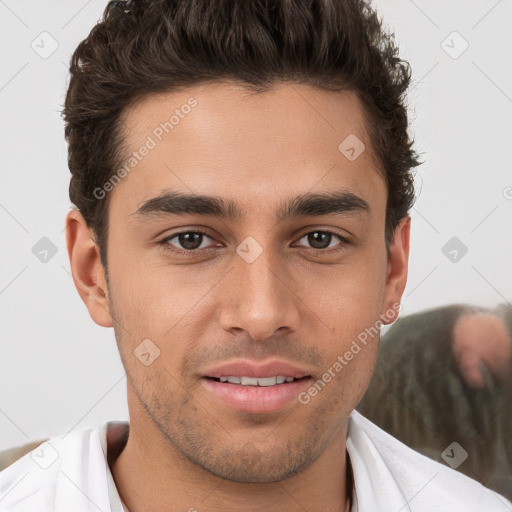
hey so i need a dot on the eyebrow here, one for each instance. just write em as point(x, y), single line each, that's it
point(177, 203)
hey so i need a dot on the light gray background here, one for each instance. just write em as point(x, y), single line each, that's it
point(59, 371)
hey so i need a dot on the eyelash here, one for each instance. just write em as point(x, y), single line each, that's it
point(193, 252)
point(183, 252)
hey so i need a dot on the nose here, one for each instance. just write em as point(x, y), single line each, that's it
point(261, 300)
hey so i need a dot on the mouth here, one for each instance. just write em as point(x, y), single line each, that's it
point(257, 381)
point(255, 387)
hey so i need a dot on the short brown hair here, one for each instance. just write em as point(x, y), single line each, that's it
point(141, 47)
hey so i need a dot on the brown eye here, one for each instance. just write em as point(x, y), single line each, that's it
point(188, 240)
point(321, 239)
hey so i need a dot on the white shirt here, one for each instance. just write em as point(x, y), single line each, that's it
point(71, 474)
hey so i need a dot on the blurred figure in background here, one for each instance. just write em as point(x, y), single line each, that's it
point(445, 376)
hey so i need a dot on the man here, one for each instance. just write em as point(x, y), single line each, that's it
point(241, 172)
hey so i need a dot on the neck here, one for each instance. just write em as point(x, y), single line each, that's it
point(150, 473)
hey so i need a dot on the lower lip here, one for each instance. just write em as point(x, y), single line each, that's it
point(256, 398)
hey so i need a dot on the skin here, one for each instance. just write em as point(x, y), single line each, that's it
point(187, 449)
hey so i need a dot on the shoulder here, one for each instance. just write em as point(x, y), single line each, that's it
point(388, 473)
point(11, 455)
point(53, 473)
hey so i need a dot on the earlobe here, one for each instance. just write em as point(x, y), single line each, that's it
point(396, 273)
point(86, 268)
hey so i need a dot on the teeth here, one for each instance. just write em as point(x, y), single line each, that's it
point(267, 381)
point(256, 381)
point(249, 381)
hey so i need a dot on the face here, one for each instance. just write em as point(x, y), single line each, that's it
point(244, 244)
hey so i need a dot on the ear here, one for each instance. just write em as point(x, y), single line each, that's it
point(396, 274)
point(86, 268)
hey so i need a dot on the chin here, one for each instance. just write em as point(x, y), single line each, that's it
point(255, 471)
point(247, 463)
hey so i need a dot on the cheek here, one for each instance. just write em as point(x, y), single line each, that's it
point(345, 298)
point(344, 322)
point(153, 296)
point(169, 307)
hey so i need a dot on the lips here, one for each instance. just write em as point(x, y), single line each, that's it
point(256, 381)
point(256, 370)
point(256, 387)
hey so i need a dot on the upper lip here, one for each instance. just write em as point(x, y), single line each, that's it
point(245, 368)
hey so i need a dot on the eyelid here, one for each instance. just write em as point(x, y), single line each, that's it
point(165, 241)
point(343, 239)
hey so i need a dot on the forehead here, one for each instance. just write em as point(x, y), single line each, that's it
point(221, 138)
